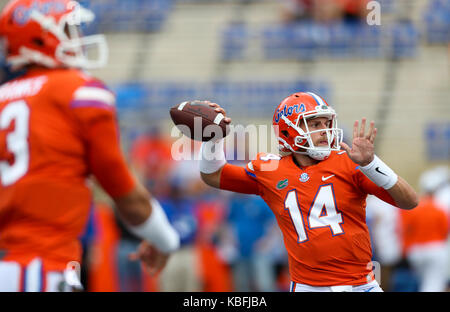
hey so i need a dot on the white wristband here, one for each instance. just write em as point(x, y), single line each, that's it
point(379, 173)
point(157, 230)
point(212, 156)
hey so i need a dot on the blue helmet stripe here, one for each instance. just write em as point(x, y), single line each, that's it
point(317, 98)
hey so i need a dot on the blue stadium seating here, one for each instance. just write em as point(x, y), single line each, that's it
point(247, 98)
point(368, 42)
point(235, 39)
point(437, 138)
point(275, 42)
point(308, 41)
point(130, 96)
point(127, 15)
point(404, 40)
point(340, 40)
point(437, 21)
point(387, 6)
point(304, 41)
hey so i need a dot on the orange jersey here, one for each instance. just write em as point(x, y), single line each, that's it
point(57, 127)
point(424, 224)
point(320, 210)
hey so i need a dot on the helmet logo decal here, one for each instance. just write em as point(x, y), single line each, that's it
point(22, 14)
point(289, 111)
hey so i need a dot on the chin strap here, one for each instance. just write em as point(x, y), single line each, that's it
point(318, 155)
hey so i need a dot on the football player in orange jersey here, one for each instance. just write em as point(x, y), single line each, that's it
point(57, 128)
point(316, 192)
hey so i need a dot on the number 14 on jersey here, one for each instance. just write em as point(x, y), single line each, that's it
point(322, 212)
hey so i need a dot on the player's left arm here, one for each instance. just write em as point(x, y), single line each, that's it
point(96, 117)
point(362, 153)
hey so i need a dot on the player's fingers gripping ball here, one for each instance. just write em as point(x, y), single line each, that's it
point(201, 120)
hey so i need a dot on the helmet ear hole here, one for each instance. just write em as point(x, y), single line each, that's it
point(38, 41)
point(285, 133)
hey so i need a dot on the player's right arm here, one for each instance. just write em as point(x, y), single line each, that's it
point(216, 172)
point(212, 179)
point(231, 178)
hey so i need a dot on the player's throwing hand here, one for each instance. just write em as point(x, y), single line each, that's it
point(362, 150)
point(219, 109)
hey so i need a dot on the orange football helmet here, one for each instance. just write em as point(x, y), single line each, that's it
point(46, 32)
point(287, 121)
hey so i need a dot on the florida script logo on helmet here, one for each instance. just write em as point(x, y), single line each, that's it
point(22, 13)
point(289, 111)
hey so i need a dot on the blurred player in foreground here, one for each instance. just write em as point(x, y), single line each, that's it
point(316, 192)
point(57, 127)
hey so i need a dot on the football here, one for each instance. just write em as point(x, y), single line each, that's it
point(199, 121)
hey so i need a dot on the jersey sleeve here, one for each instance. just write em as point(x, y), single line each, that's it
point(237, 179)
point(94, 108)
point(249, 179)
point(368, 187)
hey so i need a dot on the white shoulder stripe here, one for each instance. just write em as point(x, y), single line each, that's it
point(250, 166)
point(94, 94)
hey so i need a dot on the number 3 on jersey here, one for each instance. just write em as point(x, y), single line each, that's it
point(16, 141)
point(322, 213)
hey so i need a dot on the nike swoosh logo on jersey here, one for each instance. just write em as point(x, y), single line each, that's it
point(377, 169)
point(326, 178)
